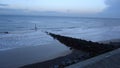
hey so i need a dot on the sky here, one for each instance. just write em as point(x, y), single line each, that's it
point(103, 8)
point(113, 9)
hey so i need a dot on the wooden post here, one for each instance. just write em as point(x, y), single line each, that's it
point(35, 27)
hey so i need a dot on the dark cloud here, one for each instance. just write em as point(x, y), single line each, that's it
point(113, 9)
point(5, 10)
point(113, 5)
point(3, 4)
point(112, 2)
point(10, 11)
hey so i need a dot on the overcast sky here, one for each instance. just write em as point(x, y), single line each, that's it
point(105, 8)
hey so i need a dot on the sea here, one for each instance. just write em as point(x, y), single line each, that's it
point(22, 31)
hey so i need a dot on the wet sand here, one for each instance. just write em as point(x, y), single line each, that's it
point(14, 58)
point(41, 55)
point(73, 58)
point(61, 62)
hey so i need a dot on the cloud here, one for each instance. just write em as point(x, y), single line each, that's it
point(112, 2)
point(113, 5)
point(3, 4)
point(113, 9)
point(5, 9)
point(11, 11)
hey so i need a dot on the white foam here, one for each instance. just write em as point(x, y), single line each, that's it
point(16, 40)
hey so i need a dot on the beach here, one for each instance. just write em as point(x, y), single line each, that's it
point(59, 34)
point(43, 55)
point(14, 58)
point(70, 60)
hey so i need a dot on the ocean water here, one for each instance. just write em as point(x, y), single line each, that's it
point(22, 29)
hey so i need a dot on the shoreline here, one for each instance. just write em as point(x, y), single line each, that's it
point(73, 57)
point(17, 57)
point(64, 61)
point(30, 55)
